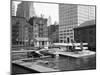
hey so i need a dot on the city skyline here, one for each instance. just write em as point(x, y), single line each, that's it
point(40, 44)
point(43, 9)
point(26, 9)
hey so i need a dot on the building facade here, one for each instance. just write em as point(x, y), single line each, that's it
point(21, 31)
point(49, 21)
point(13, 7)
point(71, 16)
point(86, 32)
point(53, 33)
point(26, 9)
point(40, 31)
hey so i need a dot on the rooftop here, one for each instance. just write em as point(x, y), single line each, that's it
point(42, 39)
point(87, 23)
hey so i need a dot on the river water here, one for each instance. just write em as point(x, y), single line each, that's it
point(63, 63)
point(60, 63)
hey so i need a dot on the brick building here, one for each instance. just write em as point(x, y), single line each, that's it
point(53, 33)
point(40, 31)
point(21, 31)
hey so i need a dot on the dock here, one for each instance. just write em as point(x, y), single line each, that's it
point(39, 68)
point(34, 66)
point(80, 54)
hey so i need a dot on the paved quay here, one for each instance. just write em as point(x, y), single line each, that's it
point(34, 66)
point(84, 53)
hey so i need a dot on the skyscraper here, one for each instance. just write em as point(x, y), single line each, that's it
point(71, 16)
point(13, 9)
point(26, 9)
point(49, 21)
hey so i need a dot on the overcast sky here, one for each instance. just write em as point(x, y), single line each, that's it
point(46, 9)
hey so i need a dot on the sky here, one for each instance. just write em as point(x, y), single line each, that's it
point(46, 9)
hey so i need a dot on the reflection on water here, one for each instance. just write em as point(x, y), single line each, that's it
point(66, 63)
point(69, 63)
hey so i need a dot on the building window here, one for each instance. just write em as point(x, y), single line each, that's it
point(61, 37)
point(71, 30)
point(67, 30)
point(67, 33)
point(64, 33)
point(71, 33)
point(17, 23)
point(78, 33)
point(64, 37)
point(64, 41)
point(61, 40)
point(71, 36)
point(61, 34)
point(35, 35)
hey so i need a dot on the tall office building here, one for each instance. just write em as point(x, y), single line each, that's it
point(71, 16)
point(13, 7)
point(49, 21)
point(26, 9)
